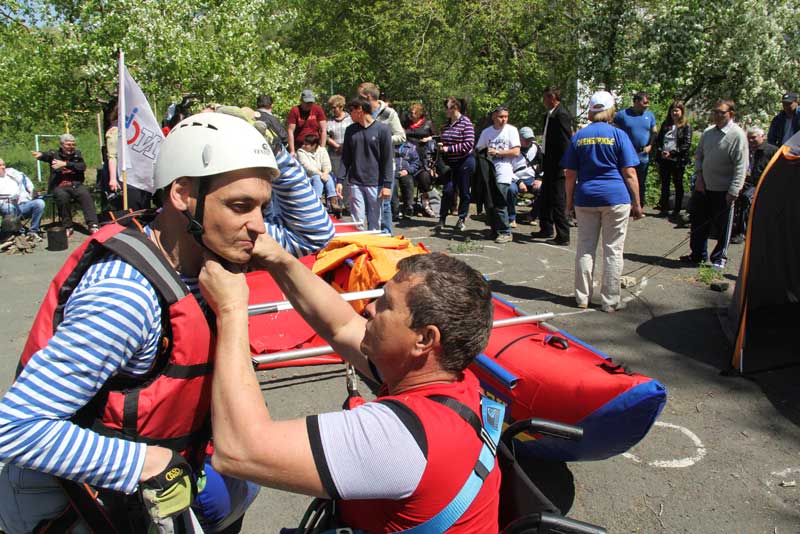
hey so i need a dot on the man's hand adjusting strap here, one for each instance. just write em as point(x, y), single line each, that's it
point(171, 491)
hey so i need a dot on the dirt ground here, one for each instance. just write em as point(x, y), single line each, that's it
point(723, 457)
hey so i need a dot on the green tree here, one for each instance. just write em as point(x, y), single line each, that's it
point(223, 50)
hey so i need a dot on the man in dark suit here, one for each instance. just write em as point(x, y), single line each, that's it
point(557, 133)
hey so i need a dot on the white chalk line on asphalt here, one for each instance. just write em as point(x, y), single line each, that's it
point(468, 255)
point(700, 450)
point(786, 472)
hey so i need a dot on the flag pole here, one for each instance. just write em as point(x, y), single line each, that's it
point(100, 134)
point(123, 147)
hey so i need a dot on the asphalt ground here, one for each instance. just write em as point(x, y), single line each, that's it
point(723, 456)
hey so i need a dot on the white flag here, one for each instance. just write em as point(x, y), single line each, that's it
point(140, 134)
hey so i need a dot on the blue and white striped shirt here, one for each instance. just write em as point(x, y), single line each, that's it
point(112, 325)
point(301, 226)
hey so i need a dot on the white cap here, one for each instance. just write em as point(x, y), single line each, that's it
point(601, 101)
point(212, 143)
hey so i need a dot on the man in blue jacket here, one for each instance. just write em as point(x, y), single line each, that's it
point(786, 123)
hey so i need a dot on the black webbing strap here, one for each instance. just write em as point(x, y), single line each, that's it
point(84, 501)
point(137, 249)
point(463, 411)
point(63, 522)
point(178, 443)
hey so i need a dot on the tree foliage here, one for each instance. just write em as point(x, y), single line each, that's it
point(59, 56)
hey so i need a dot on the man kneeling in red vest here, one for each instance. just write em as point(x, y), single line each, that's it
point(390, 465)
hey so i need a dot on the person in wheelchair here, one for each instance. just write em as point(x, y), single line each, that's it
point(388, 465)
point(18, 199)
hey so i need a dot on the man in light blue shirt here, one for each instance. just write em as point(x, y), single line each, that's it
point(17, 198)
point(640, 125)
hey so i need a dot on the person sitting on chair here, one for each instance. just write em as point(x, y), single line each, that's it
point(317, 164)
point(67, 172)
point(17, 198)
point(391, 464)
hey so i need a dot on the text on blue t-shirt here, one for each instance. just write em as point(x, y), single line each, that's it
point(597, 153)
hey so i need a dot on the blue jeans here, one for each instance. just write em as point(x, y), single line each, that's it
point(641, 173)
point(365, 205)
point(459, 180)
point(386, 216)
point(501, 217)
point(31, 209)
point(329, 187)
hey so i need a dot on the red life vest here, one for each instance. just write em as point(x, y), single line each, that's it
point(453, 449)
point(170, 405)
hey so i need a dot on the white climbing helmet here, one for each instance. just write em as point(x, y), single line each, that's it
point(212, 143)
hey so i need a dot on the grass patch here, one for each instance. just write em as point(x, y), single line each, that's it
point(463, 247)
point(708, 275)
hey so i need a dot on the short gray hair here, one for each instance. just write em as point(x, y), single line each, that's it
point(755, 130)
point(66, 137)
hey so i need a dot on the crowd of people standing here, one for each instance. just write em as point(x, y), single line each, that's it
point(381, 165)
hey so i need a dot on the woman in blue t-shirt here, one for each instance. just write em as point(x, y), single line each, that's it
point(602, 188)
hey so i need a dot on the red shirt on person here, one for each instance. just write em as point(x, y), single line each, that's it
point(306, 123)
point(450, 448)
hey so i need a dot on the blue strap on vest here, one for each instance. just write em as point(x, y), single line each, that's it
point(492, 414)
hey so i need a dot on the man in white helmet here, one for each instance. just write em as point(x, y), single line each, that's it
point(113, 386)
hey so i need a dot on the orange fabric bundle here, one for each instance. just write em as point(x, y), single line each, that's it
point(375, 259)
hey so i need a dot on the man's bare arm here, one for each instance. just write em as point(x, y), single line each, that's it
point(248, 443)
point(316, 301)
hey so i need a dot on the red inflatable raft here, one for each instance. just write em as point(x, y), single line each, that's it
point(531, 366)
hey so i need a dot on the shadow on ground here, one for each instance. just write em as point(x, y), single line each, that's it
point(530, 293)
point(661, 261)
point(698, 335)
point(694, 333)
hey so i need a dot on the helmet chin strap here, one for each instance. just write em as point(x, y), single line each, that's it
point(195, 226)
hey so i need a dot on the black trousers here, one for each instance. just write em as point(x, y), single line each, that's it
point(77, 191)
point(403, 193)
point(711, 215)
point(671, 172)
point(741, 209)
point(553, 207)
